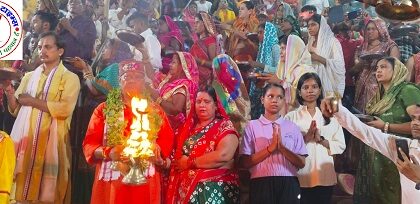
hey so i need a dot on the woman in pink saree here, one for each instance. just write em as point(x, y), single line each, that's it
point(175, 95)
point(188, 15)
point(205, 48)
point(171, 40)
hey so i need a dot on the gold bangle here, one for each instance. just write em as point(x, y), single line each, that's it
point(88, 75)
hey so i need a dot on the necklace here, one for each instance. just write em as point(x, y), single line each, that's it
point(200, 125)
point(371, 46)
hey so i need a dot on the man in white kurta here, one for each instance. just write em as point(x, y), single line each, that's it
point(380, 141)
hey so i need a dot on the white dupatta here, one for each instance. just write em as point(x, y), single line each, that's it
point(333, 74)
point(20, 136)
point(21, 126)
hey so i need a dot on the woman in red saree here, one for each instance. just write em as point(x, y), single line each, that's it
point(171, 40)
point(188, 15)
point(204, 49)
point(175, 95)
point(203, 170)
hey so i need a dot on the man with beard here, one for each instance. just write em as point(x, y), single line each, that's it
point(385, 144)
point(78, 32)
point(43, 104)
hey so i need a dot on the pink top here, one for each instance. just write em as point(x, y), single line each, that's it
point(258, 135)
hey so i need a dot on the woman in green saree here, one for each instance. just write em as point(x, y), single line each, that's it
point(377, 178)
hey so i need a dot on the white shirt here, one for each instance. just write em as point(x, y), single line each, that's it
point(98, 26)
point(206, 6)
point(319, 164)
point(378, 140)
point(319, 4)
point(117, 23)
point(153, 47)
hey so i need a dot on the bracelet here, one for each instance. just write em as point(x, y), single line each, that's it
point(88, 75)
point(202, 62)
point(269, 150)
point(386, 127)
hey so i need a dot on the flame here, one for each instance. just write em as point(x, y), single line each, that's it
point(138, 145)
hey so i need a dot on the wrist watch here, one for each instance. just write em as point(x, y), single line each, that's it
point(418, 186)
point(322, 139)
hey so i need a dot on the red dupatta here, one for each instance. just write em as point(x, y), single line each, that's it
point(174, 32)
point(195, 143)
point(167, 88)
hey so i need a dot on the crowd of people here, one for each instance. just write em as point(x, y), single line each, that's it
point(246, 93)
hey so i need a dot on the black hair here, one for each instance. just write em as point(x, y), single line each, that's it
point(283, 40)
point(272, 85)
point(210, 91)
point(199, 16)
point(58, 40)
point(49, 18)
point(261, 25)
point(302, 79)
point(162, 18)
point(391, 60)
point(249, 5)
point(308, 8)
point(316, 18)
point(192, 3)
point(341, 27)
point(137, 15)
point(26, 26)
point(262, 15)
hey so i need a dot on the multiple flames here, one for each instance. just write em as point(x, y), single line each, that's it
point(139, 145)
